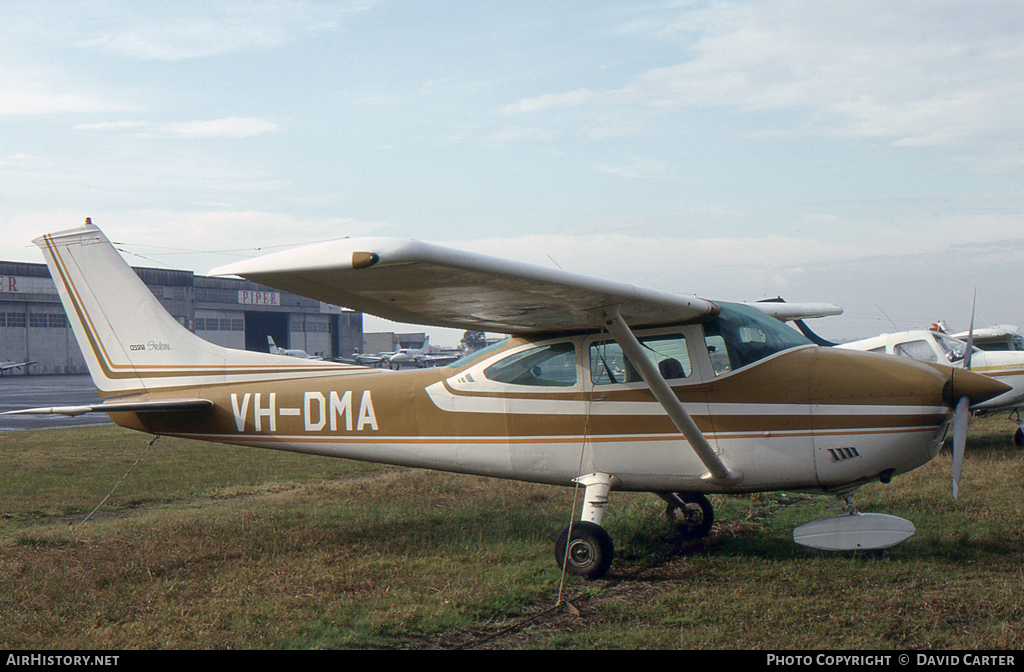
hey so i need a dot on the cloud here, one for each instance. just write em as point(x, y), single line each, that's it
point(112, 125)
point(195, 239)
point(228, 127)
point(515, 134)
point(547, 101)
point(943, 74)
point(36, 90)
point(638, 168)
point(192, 29)
point(20, 157)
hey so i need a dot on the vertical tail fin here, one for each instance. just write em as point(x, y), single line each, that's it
point(130, 342)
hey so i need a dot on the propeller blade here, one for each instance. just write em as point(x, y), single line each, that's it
point(959, 440)
point(970, 334)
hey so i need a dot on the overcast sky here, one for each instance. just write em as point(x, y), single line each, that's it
point(866, 153)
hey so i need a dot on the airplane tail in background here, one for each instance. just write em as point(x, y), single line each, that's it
point(130, 342)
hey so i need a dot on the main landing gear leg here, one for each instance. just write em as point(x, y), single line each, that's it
point(690, 513)
point(584, 547)
point(1018, 436)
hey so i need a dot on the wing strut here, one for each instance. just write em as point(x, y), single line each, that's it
point(622, 334)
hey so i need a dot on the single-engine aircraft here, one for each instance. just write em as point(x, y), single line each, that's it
point(933, 345)
point(602, 384)
point(274, 349)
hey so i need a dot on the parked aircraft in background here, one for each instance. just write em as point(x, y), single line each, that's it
point(933, 345)
point(377, 359)
point(292, 352)
point(428, 355)
point(10, 366)
point(601, 384)
point(999, 337)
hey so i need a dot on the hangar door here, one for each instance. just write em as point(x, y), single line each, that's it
point(260, 325)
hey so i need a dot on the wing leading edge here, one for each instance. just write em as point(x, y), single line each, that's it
point(414, 282)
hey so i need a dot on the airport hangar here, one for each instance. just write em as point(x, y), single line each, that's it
point(229, 312)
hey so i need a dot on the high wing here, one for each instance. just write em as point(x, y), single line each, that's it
point(411, 281)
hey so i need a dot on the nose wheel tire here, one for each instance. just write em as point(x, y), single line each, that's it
point(694, 517)
point(588, 553)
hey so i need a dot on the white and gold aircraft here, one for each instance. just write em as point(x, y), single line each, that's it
point(602, 384)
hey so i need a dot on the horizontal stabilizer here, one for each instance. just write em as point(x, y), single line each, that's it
point(152, 406)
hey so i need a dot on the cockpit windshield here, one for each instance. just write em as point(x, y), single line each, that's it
point(954, 349)
point(478, 355)
point(741, 335)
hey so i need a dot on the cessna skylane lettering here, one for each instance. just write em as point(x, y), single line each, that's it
point(602, 384)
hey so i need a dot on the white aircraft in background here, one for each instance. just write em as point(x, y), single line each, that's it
point(934, 345)
point(365, 360)
point(10, 366)
point(604, 385)
point(291, 352)
point(999, 337)
point(428, 355)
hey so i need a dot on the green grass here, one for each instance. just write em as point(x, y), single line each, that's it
point(210, 546)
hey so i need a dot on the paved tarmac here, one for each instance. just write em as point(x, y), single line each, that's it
point(17, 392)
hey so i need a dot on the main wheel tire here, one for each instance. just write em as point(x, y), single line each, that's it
point(1018, 437)
point(694, 518)
point(590, 551)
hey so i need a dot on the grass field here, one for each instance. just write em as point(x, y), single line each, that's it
point(210, 546)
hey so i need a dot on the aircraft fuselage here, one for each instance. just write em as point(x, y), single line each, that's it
point(808, 418)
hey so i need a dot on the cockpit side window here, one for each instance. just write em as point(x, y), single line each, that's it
point(920, 349)
point(741, 335)
point(668, 352)
point(545, 366)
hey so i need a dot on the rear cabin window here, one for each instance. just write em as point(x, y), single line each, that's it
point(545, 366)
point(609, 366)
